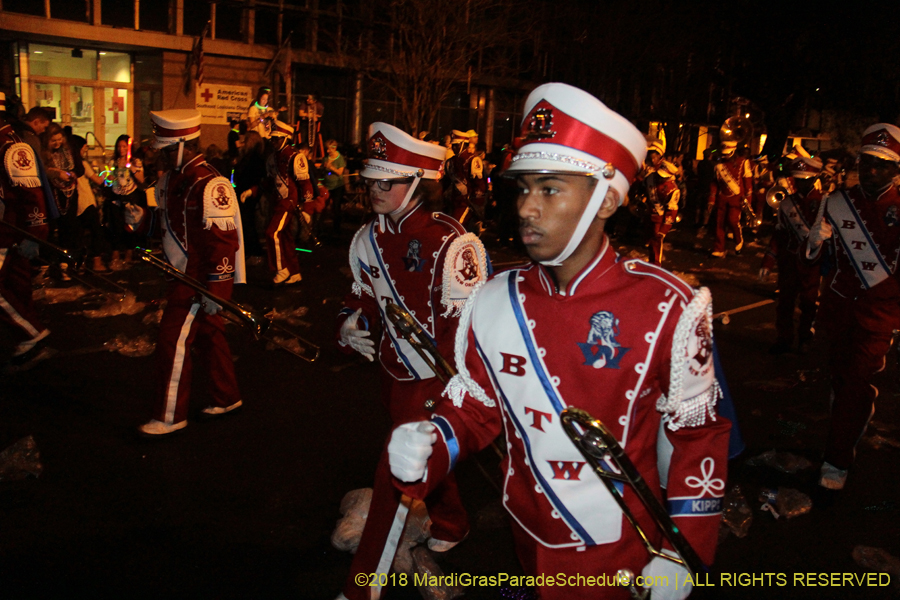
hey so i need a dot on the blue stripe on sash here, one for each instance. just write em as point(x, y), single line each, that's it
point(683, 507)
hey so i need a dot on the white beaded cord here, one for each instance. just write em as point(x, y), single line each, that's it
point(462, 382)
point(690, 412)
point(358, 286)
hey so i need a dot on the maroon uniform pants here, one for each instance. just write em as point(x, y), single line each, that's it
point(280, 243)
point(660, 226)
point(387, 513)
point(185, 326)
point(859, 337)
point(16, 306)
point(798, 282)
point(728, 213)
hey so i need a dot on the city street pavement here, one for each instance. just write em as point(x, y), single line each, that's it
point(244, 506)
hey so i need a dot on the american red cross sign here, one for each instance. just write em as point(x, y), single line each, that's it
point(206, 95)
point(117, 105)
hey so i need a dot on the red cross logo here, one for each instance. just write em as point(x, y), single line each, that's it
point(206, 95)
point(116, 105)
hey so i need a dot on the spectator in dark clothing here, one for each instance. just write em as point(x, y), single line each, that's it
point(249, 172)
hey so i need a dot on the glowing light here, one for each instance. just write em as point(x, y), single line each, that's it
point(303, 250)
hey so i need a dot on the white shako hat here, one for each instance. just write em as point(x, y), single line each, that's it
point(882, 140)
point(804, 167)
point(656, 145)
point(281, 129)
point(457, 136)
point(566, 130)
point(394, 154)
point(174, 126)
point(667, 169)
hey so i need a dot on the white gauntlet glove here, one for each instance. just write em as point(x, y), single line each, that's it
point(817, 235)
point(210, 307)
point(133, 214)
point(657, 570)
point(356, 338)
point(246, 194)
point(409, 449)
point(29, 249)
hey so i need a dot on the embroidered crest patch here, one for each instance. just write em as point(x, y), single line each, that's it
point(601, 350)
point(219, 204)
point(378, 148)
point(412, 261)
point(465, 266)
point(21, 165)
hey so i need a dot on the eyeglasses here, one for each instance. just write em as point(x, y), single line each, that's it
point(384, 185)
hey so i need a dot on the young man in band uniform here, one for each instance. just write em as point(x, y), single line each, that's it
point(625, 340)
point(860, 306)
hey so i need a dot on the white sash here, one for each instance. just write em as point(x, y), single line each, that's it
point(385, 293)
point(725, 174)
point(582, 501)
point(870, 265)
point(793, 216)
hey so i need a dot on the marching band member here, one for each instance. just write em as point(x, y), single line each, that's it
point(663, 198)
point(860, 307)
point(731, 188)
point(763, 180)
point(625, 340)
point(427, 264)
point(798, 279)
point(201, 237)
point(288, 173)
point(22, 204)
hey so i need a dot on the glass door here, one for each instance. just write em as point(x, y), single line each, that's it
point(49, 97)
point(81, 111)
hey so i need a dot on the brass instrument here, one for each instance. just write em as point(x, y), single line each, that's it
point(775, 196)
point(259, 325)
point(599, 446)
point(736, 129)
point(412, 332)
point(750, 215)
point(70, 258)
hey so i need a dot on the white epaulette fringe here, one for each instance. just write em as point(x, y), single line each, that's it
point(689, 412)
point(462, 382)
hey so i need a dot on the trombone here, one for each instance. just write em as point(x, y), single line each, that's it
point(412, 332)
point(259, 325)
point(70, 258)
point(599, 446)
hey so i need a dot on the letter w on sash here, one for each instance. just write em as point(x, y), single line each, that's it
point(566, 470)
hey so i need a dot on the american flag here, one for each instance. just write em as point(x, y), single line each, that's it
point(198, 54)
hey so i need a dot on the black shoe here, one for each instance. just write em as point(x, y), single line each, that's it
point(28, 360)
point(780, 348)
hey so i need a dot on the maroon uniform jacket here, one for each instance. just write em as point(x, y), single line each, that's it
point(197, 210)
point(629, 343)
point(22, 200)
point(795, 216)
point(734, 180)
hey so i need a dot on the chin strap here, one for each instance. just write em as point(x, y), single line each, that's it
point(405, 203)
point(180, 156)
point(587, 217)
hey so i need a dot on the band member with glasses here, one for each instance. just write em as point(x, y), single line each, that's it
point(625, 340)
point(427, 264)
point(860, 306)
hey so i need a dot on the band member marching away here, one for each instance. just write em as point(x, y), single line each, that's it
point(732, 187)
point(627, 341)
point(427, 264)
point(663, 199)
point(860, 308)
point(22, 204)
point(798, 278)
point(288, 174)
point(201, 237)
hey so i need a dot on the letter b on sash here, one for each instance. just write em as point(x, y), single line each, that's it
point(513, 364)
point(848, 225)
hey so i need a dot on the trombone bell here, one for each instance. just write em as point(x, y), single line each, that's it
point(775, 196)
